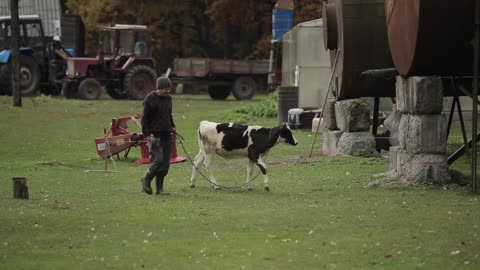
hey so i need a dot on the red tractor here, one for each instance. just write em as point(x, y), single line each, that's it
point(124, 66)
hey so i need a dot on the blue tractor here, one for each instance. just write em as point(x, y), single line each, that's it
point(42, 60)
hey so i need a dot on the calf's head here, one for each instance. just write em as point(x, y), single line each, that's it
point(287, 135)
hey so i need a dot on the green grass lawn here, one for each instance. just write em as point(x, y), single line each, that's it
point(318, 213)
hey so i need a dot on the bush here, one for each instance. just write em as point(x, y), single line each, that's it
point(268, 108)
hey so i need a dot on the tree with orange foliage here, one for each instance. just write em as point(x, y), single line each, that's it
point(193, 28)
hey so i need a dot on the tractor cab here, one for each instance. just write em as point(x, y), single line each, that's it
point(31, 37)
point(122, 42)
point(124, 65)
point(40, 67)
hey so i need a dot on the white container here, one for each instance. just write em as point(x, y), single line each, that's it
point(315, 125)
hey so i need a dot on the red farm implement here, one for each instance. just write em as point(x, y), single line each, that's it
point(119, 139)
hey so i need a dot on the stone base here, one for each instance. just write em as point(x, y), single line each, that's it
point(329, 114)
point(424, 168)
point(419, 168)
point(419, 95)
point(423, 133)
point(352, 115)
point(356, 144)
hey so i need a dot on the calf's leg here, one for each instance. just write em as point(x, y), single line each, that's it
point(257, 159)
point(208, 165)
point(249, 174)
point(263, 168)
point(199, 158)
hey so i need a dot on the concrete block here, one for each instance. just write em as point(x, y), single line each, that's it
point(424, 168)
point(423, 134)
point(329, 114)
point(352, 115)
point(330, 141)
point(392, 124)
point(419, 95)
point(356, 144)
point(398, 160)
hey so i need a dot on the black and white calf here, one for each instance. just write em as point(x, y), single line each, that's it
point(230, 140)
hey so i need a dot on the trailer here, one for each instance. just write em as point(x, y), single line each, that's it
point(242, 78)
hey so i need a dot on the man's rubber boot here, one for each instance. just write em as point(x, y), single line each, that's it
point(162, 192)
point(146, 186)
point(159, 182)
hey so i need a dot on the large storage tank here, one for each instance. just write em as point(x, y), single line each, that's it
point(305, 64)
point(431, 37)
point(359, 31)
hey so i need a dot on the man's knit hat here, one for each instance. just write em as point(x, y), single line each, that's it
point(163, 83)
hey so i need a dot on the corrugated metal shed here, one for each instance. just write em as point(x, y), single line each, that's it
point(306, 64)
point(50, 12)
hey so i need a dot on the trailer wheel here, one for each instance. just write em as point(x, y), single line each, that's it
point(218, 92)
point(69, 89)
point(140, 81)
point(244, 88)
point(89, 89)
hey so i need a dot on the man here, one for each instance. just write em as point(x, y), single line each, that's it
point(157, 125)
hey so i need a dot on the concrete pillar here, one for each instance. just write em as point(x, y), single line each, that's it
point(422, 133)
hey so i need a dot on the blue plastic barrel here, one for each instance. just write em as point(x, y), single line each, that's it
point(282, 22)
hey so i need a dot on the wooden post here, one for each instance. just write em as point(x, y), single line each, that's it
point(20, 188)
point(14, 45)
point(106, 145)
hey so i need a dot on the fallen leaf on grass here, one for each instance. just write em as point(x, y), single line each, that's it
point(455, 252)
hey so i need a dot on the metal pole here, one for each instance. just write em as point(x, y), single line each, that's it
point(475, 96)
point(376, 110)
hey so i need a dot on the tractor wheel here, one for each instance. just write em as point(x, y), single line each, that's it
point(89, 89)
point(218, 92)
point(140, 81)
point(69, 89)
point(115, 92)
point(29, 75)
point(244, 88)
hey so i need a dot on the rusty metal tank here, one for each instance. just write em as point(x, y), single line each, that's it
point(361, 37)
point(430, 37)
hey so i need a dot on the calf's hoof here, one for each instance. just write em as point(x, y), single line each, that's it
point(192, 186)
point(267, 189)
point(216, 187)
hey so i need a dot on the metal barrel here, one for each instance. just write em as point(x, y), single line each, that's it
point(431, 37)
point(287, 99)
